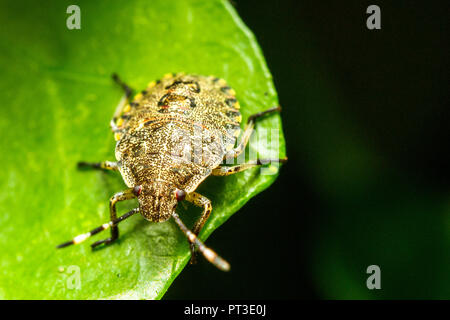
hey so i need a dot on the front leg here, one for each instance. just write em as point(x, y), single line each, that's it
point(120, 196)
point(200, 201)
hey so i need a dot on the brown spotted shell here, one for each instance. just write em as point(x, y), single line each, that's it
point(176, 131)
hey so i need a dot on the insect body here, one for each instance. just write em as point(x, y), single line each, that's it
point(170, 137)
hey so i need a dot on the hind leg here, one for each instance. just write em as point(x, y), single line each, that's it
point(249, 128)
point(124, 102)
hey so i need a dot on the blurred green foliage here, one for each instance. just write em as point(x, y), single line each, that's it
point(366, 123)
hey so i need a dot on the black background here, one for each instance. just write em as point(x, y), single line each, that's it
point(394, 82)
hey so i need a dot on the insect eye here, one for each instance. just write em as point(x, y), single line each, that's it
point(137, 190)
point(180, 194)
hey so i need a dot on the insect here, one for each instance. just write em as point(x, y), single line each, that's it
point(170, 137)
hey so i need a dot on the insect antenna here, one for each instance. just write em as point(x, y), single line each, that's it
point(209, 254)
point(80, 238)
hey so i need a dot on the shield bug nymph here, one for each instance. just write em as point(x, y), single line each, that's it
point(170, 137)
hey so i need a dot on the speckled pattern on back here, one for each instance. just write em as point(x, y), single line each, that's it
point(176, 131)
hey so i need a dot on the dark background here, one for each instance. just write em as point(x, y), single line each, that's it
point(366, 116)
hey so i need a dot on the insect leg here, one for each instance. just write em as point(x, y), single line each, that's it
point(228, 170)
point(200, 201)
point(122, 104)
point(234, 153)
point(119, 196)
point(80, 238)
point(106, 165)
point(125, 87)
point(209, 254)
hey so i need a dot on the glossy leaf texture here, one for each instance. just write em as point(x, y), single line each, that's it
point(57, 101)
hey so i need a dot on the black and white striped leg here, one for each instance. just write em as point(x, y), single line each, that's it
point(113, 223)
point(209, 254)
point(119, 196)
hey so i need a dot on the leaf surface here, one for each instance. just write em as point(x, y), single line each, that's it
point(58, 99)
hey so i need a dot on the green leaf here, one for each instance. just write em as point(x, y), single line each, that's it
point(58, 98)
